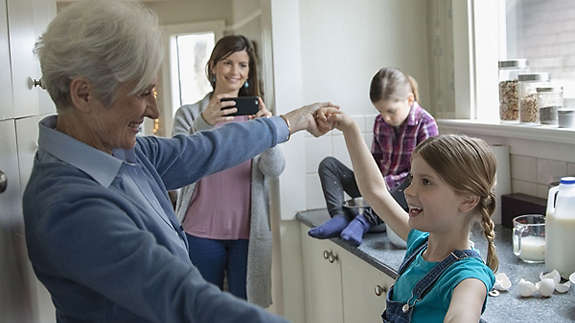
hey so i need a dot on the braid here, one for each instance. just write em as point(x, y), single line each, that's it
point(487, 208)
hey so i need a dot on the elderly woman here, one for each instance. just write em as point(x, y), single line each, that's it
point(100, 229)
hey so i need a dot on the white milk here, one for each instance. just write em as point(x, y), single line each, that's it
point(532, 249)
point(560, 239)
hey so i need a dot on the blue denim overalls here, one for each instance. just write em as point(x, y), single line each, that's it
point(398, 312)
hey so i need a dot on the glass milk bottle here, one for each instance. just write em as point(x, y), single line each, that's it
point(560, 228)
point(508, 88)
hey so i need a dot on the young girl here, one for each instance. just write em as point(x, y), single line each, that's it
point(441, 278)
point(401, 124)
point(226, 215)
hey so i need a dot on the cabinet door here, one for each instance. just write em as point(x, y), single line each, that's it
point(322, 281)
point(22, 38)
point(10, 208)
point(364, 289)
point(15, 305)
point(27, 140)
point(6, 107)
point(44, 12)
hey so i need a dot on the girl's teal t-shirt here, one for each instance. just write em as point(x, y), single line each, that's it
point(434, 305)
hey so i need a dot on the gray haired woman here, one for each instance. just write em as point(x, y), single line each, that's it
point(100, 229)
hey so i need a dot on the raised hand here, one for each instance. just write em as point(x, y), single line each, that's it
point(340, 120)
point(321, 118)
point(303, 118)
point(216, 111)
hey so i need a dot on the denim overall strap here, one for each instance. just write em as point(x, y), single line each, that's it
point(409, 258)
point(425, 284)
point(398, 312)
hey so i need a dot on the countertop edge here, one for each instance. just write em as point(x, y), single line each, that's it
point(353, 250)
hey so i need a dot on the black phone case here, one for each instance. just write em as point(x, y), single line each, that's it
point(246, 105)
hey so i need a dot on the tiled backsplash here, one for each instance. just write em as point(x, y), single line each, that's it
point(331, 144)
point(532, 175)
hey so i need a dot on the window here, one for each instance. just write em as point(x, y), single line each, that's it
point(192, 52)
point(543, 32)
point(183, 77)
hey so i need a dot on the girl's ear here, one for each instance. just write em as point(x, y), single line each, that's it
point(410, 99)
point(468, 203)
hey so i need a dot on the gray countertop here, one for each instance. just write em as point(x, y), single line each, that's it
point(377, 250)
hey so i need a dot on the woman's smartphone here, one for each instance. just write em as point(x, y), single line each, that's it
point(246, 105)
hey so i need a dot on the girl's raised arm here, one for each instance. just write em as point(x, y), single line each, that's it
point(368, 176)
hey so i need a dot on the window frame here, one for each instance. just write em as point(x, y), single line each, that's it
point(476, 75)
point(169, 95)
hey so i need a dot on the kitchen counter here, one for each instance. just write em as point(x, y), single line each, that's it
point(378, 251)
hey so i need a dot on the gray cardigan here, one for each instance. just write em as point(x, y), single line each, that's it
point(267, 165)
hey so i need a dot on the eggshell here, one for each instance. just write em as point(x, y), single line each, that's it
point(502, 282)
point(526, 288)
point(563, 288)
point(553, 275)
point(546, 287)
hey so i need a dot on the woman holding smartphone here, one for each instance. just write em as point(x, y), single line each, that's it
point(226, 215)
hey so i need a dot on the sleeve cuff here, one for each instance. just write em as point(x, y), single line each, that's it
point(282, 131)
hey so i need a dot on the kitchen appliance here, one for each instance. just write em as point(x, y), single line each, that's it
point(560, 228)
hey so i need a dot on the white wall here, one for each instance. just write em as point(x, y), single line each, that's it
point(343, 44)
point(335, 50)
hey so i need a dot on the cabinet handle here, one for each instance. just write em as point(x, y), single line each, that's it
point(326, 254)
point(332, 257)
point(3, 182)
point(38, 83)
point(380, 290)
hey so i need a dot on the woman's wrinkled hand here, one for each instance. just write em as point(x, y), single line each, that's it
point(218, 111)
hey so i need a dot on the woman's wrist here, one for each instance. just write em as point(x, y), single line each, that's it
point(287, 124)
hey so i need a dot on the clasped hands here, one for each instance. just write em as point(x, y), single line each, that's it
point(318, 118)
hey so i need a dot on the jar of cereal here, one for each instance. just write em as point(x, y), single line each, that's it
point(508, 88)
point(528, 83)
point(549, 101)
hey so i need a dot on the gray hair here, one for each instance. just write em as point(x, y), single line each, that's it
point(105, 41)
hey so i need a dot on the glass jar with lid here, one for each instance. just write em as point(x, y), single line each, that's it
point(528, 83)
point(508, 88)
point(549, 101)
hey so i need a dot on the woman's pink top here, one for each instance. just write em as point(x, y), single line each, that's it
point(220, 204)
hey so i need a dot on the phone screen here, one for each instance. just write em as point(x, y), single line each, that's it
point(246, 105)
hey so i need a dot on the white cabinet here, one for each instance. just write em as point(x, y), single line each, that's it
point(5, 74)
point(339, 286)
point(22, 297)
point(364, 289)
point(322, 280)
point(44, 12)
point(10, 210)
point(27, 141)
point(21, 23)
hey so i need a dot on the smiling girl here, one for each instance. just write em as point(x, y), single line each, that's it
point(401, 124)
point(442, 278)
